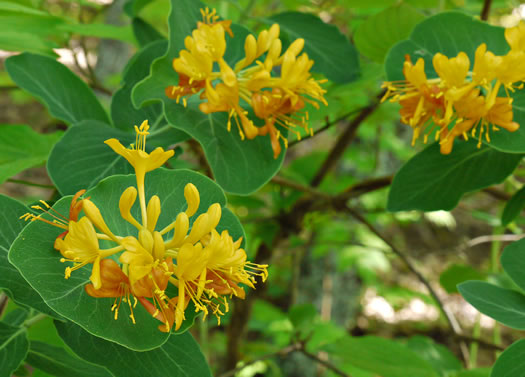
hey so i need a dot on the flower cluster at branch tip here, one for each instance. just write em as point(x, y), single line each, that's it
point(463, 98)
point(277, 100)
point(203, 265)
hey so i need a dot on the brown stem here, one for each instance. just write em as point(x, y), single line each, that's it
point(28, 183)
point(498, 194)
point(344, 140)
point(299, 187)
point(486, 10)
point(4, 300)
point(324, 363)
point(481, 342)
point(201, 158)
point(282, 352)
point(449, 316)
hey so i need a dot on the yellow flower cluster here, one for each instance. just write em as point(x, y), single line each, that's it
point(251, 83)
point(465, 99)
point(204, 265)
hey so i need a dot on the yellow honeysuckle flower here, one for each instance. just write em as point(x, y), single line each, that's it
point(141, 161)
point(460, 101)
point(81, 247)
point(227, 261)
point(209, 266)
point(515, 37)
point(453, 71)
point(191, 279)
point(230, 90)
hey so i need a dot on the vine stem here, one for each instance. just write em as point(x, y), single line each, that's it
point(485, 11)
point(37, 318)
point(296, 347)
point(449, 316)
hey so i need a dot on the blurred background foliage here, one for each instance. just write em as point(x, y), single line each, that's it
point(331, 275)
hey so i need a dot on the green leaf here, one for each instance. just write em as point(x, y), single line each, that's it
point(378, 33)
point(334, 55)
point(10, 279)
point(123, 113)
point(180, 356)
point(513, 207)
point(504, 305)
point(450, 33)
point(144, 32)
point(68, 298)
point(431, 181)
point(238, 166)
point(458, 273)
point(9, 6)
point(439, 356)
point(16, 317)
point(65, 95)
point(13, 348)
point(57, 362)
point(382, 356)
point(121, 33)
point(22, 148)
point(81, 159)
point(19, 41)
point(477, 372)
point(513, 262)
point(511, 362)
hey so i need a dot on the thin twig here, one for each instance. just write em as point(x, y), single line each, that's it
point(324, 363)
point(344, 140)
point(28, 183)
point(299, 187)
point(4, 300)
point(491, 238)
point(327, 125)
point(498, 194)
point(481, 342)
point(486, 10)
point(449, 316)
point(282, 352)
point(201, 158)
point(37, 318)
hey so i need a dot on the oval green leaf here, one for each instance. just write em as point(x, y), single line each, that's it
point(13, 348)
point(33, 254)
point(511, 362)
point(180, 356)
point(378, 33)
point(430, 181)
point(382, 356)
point(10, 279)
point(81, 159)
point(513, 207)
point(513, 262)
point(334, 56)
point(504, 305)
point(59, 363)
point(65, 95)
point(22, 148)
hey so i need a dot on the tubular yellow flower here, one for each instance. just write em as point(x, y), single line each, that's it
point(515, 37)
point(80, 246)
point(460, 101)
point(231, 90)
point(145, 264)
